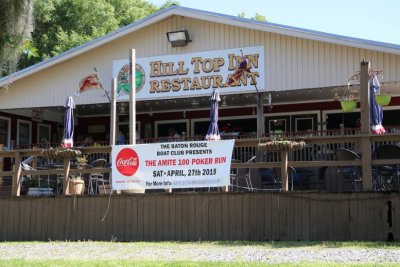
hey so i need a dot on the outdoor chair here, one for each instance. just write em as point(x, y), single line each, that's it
point(350, 174)
point(387, 176)
point(96, 177)
point(34, 180)
point(300, 177)
point(268, 178)
point(244, 174)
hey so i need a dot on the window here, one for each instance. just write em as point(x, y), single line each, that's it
point(180, 127)
point(304, 124)
point(24, 136)
point(277, 125)
point(124, 128)
point(5, 131)
point(228, 126)
point(43, 134)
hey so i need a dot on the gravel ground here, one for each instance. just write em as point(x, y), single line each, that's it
point(197, 252)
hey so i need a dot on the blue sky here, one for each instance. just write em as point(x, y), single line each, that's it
point(367, 19)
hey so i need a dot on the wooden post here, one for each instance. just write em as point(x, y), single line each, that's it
point(16, 181)
point(132, 97)
point(67, 166)
point(1, 160)
point(364, 98)
point(365, 126)
point(113, 120)
point(284, 170)
point(260, 116)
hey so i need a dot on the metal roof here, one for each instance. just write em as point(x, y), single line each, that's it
point(208, 16)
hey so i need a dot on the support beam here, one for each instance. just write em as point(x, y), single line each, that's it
point(364, 98)
point(260, 115)
point(67, 166)
point(113, 120)
point(132, 97)
point(1, 161)
point(365, 126)
point(284, 170)
point(16, 181)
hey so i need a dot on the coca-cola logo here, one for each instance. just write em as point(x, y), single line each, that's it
point(127, 162)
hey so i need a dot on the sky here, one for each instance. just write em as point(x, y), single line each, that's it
point(377, 20)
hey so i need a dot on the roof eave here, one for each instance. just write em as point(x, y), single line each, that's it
point(201, 15)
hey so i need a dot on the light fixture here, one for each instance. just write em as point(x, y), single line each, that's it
point(123, 108)
point(178, 38)
point(224, 102)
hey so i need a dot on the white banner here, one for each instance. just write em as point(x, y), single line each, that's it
point(172, 165)
point(189, 75)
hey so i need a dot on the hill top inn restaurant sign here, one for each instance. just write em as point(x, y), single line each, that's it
point(189, 75)
point(172, 165)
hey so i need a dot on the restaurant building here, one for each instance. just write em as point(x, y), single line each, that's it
point(301, 74)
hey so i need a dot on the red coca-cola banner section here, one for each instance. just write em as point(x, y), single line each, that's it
point(172, 165)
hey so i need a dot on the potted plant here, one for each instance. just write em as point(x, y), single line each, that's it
point(348, 105)
point(383, 100)
point(348, 100)
point(76, 185)
point(82, 160)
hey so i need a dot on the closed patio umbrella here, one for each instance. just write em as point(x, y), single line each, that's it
point(376, 113)
point(68, 137)
point(213, 131)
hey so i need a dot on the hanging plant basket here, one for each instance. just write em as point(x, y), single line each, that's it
point(383, 100)
point(61, 153)
point(348, 105)
point(282, 145)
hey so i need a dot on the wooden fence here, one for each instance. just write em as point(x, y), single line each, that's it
point(244, 149)
point(203, 216)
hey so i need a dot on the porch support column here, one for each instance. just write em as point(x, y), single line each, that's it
point(284, 170)
point(365, 126)
point(1, 160)
point(260, 115)
point(67, 166)
point(16, 181)
point(113, 119)
point(132, 97)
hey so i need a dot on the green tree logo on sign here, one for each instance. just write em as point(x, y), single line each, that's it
point(123, 79)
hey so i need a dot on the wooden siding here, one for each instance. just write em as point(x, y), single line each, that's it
point(290, 62)
point(202, 216)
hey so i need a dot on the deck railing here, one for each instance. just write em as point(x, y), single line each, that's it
point(318, 152)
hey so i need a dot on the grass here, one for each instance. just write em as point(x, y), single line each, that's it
point(141, 263)
point(300, 244)
point(124, 249)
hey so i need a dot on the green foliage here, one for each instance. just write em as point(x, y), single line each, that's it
point(60, 25)
point(15, 25)
point(242, 15)
point(257, 16)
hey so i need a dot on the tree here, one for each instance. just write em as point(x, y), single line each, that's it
point(257, 16)
point(63, 24)
point(15, 25)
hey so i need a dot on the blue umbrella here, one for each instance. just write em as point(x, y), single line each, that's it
point(68, 123)
point(376, 113)
point(213, 131)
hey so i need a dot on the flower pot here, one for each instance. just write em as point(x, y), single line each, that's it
point(76, 187)
point(348, 105)
point(382, 100)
